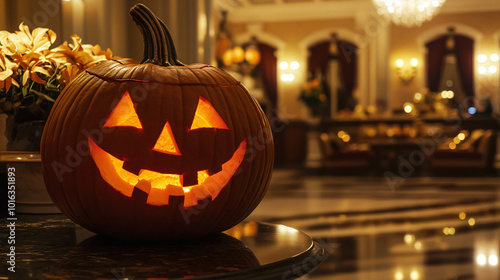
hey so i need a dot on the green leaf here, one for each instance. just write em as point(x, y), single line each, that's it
point(39, 100)
point(44, 96)
point(25, 91)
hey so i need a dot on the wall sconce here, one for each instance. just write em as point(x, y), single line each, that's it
point(487, 65)
point(288, 68)
point(404, 72)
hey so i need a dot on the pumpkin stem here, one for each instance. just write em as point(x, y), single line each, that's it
point(159, 47)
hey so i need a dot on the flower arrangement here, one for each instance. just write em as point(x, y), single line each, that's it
point(313, 95)
point(32, 75)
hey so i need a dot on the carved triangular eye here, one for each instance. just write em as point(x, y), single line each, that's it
point(166, 142)
point(207, 117)
point(124, 114)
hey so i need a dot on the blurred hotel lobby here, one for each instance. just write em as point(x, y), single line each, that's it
point(385, 117)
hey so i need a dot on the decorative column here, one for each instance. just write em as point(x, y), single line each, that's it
point(196, 31)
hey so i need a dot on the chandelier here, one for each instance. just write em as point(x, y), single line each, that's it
point(408, 13)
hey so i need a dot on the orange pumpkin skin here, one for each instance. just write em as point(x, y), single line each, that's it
point(237, 158)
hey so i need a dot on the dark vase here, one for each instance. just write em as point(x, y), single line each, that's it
point(25, 136)
point(23, 156)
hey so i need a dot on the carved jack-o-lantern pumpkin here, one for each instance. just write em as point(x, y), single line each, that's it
point(156, 150)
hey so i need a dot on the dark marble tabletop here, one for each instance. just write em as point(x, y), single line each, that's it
point(53, 247)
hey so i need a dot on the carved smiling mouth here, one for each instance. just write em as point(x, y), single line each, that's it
point(160, 186)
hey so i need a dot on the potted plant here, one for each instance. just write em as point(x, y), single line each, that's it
point(32, 75)
point(314, 97)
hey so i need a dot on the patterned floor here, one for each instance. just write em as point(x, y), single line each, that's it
point(421, 228)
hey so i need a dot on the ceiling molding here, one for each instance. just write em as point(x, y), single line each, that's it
point(287, 10)
point(281, 11)
point(464, 6)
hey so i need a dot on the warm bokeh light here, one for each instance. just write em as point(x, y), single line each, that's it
point(408, 107)
point(447, 94)
point(456, 140)
point(461, 136)
point(481, 70)
point(294, 65)
point(492, 69)
point(472, 222)
point(284, 65)
point(399, 63)
point(462, 215)
point(446, 230)
point(418, 245)
point(398, 275)
point(481, 259)
point(371, 131)
point(324, 136)
point(414, 275)
point(451, 230)
point(494, 57)
point(288, 77)
point(493, 260)
point(390, 132)
point(414, 62)
point(252, 55)
point(409, 238)
point(238, 54)
point(341, 133)
point(417, 97)
point(346, 138)
point(452, 146)
point(482, 58)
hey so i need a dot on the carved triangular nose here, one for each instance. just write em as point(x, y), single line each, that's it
point(166, 142)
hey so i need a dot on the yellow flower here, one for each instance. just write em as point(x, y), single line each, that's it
point(23, 42)
point(5, 74)
point(28, 63)
point(314, 83)
point(73, 58)
point(76, 53)
point(69, 72)
point(34, 63)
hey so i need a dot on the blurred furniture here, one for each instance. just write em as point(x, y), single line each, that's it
point(398, 156)
point(477, 156)
point(339, 157)
point(404, 144)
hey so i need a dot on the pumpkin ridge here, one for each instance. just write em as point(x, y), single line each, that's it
point(91, 99)
point(255, 168)
point(230, 189)
point(239, 120)
point(161, 82)
point(73, 101)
